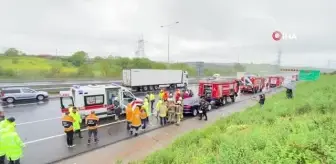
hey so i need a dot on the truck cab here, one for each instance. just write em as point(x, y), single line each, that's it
point(252, 83)
point(98, 98)
point(185, 79)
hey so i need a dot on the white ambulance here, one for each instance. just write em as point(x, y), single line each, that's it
point(99, 98)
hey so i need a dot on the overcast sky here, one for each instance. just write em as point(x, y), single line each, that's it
point(210, 31)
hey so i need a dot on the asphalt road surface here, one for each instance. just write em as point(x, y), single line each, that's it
point(39, 126)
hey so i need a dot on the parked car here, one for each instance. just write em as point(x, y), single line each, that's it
point(12, 94)
point(192, 105)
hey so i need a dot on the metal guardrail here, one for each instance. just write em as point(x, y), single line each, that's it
point(67, 87)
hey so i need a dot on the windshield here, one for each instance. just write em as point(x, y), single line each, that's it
point(191, 101)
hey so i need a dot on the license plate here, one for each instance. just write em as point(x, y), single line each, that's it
point(200, 111)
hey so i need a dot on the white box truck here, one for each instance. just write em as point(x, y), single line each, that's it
point(152, 79)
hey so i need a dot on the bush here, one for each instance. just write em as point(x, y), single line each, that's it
point(301, 130)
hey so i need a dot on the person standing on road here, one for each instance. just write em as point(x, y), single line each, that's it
point(78, 120)
point(152, 101)
point(4, 126)
point(129, 115)
point(203, 109)
point(162, 112)
point(262, 99)
point(165, 95)
point(177, 95)
point(143, 117)
point(171, 111)
point(12, 145)
point(161, 94)
point(67, 122)
point(117, 108)
point(158, 104)
point(136, 120)
point(179, 111)
point(91, 122)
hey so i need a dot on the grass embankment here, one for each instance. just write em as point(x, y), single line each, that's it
point(37, 68)
point(302, 130)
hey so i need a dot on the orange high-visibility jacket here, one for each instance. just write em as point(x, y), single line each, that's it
point(67, 122)
point(143, 114)
point(129, 112)
point(92, 121)
point(165, 95)
point(136, 120)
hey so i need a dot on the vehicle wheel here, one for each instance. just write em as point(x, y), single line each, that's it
point(195, 112)
point(225, 101)
point(233, 99)
point(156, 87)
point(140, 89)
point(40, 97)
point(10, 100)
point(145, 88)
point(151, 88)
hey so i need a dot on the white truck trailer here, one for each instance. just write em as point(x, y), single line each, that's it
point(152, 79)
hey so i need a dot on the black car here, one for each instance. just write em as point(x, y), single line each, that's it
point(192, 105)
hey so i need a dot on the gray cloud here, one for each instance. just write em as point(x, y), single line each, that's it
point(216, 30)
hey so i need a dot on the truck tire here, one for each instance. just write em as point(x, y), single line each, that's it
point(225, 101)
point(233, 98)
point(151, 88)
point(145, 88)
point(156, 87)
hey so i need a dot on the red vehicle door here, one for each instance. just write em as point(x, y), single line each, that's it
point(200, 89)
point(215, 91)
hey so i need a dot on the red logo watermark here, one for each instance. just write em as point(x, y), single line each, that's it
point(277, 36)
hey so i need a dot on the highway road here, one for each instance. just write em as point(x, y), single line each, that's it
point(40, 128)
point(39, 125)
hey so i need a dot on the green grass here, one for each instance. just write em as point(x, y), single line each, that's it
point(285, 131)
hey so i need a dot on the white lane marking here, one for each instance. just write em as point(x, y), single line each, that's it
point(59, 135)
point(25, 104)
point(31, 122)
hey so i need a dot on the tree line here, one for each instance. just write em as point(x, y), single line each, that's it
point(79, 65)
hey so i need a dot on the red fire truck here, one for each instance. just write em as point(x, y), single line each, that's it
point(252, 83)
point(218, 90)
point(275, 81)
